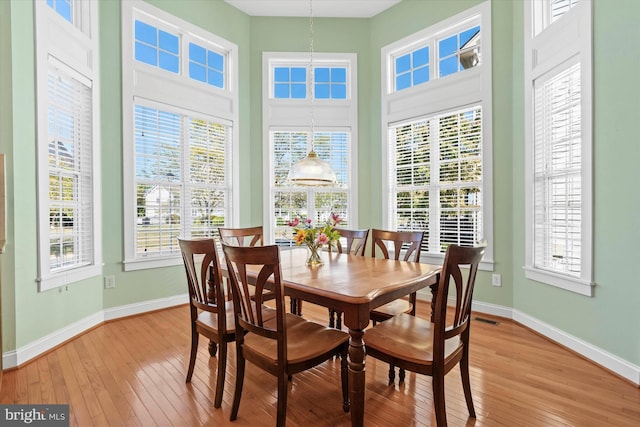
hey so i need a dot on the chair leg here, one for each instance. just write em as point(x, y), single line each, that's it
point(466, 384)
point(237, 393)
point(281, 419)
point(194, 351)
point(222, 370)
point(392, 374)
point(438, 399)
point(213, 349)
point(344, 375)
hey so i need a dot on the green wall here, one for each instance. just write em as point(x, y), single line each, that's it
point(28, 315)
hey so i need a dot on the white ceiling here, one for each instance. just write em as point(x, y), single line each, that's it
point(321, 8)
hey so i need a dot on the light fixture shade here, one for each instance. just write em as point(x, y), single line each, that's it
point(312, 171)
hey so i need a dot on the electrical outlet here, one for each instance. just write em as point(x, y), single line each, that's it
point(110, 282)
point(496, 280)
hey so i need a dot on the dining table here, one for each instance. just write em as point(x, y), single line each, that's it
point(354, 285)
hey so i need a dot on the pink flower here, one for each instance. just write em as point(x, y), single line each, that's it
point(322, 239)
point(309, 220)
point(335, 219)
point(294, 223)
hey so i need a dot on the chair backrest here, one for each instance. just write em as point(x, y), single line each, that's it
point(264, 262)
point(248, 236)
point(356, 241)
point(464, 282)
point(408, 241)
point(204, 277)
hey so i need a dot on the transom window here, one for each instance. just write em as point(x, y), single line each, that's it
point(206, 65)
point(63, 8)
point(291, 82)
point(157, 47)
point(434, 57)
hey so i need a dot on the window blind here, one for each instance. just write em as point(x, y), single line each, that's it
point(181, 178)
point(557, 170)
point(69, 135)
point(436, 178)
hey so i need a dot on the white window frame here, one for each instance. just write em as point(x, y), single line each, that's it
point(329, 115)
point(438, 96)
point(552, 50)
point(73, 49)
point(182, 94)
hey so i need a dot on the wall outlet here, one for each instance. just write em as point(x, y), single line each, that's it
point(109, 282)
point(496, 280)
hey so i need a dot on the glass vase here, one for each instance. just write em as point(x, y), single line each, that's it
point(314, 259)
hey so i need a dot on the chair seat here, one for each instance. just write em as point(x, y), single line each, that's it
point(209, 321)
point(391, 309)
point(407, 338)
point(306, 340)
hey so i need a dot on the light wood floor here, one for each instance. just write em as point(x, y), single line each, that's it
point(131, 372)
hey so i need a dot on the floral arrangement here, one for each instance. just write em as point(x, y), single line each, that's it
point(314, 237)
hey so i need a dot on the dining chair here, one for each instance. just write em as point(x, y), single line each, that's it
point(210, 312)
point(282, 345)
point(355, 243)
point(434, 349)
point(247, 236)
point(406, 246)
point(409, 242)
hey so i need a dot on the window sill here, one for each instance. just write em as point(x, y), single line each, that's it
point(576, 285)
point(485, 264)
point(155, 262)
point(55, 280)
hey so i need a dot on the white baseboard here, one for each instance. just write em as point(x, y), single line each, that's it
point(145, 306)
point(11, 359)
point(597, 355)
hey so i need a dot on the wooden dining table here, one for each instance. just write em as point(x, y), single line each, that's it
point(354, 285)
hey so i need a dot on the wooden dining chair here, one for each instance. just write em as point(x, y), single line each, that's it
point(355, 243)
point(406, 246)
point(247, 236)
point(211, 313)
point(282, 345)
point(434, 349)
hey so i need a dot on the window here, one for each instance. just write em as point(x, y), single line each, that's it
point(558, 123)
point(68, 137)
point(442, 53)
point(290, 107)
point(436, 180)
point(437, 134)
point(178, 141)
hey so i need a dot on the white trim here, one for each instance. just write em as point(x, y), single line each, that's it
point(595, 354)
point(24, 354)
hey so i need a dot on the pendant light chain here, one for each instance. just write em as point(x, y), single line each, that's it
point(311, 92)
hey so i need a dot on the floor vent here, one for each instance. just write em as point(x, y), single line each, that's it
point(489, 321)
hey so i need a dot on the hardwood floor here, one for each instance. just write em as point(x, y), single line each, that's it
point(131, 372)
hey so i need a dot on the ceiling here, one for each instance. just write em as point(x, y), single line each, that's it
point(321, 8)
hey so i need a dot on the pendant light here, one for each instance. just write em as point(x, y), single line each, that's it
point(312, 170)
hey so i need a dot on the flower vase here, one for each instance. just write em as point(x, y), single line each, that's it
point(314, 259)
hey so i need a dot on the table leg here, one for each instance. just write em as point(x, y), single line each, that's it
point(357, 376)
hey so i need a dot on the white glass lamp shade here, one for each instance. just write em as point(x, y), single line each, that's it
point(312, 171)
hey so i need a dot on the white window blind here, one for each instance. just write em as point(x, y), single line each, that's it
point(557, 187)
point(436, 178)
point(308, 202)
point(181, 179)
point(70, 172)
